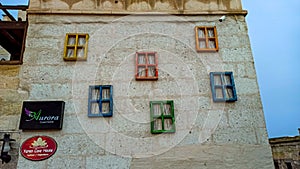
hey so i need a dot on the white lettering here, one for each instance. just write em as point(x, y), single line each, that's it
point(28, 151)
point(49, 118)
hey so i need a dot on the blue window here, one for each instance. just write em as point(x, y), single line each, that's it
point(162, 117)
point(222, 87)
point(100, 101)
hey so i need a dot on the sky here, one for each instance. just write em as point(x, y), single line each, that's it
point(274, 30)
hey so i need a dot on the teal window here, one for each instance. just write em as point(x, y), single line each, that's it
point(100, 101)
point(162, 117)
point(222, 87)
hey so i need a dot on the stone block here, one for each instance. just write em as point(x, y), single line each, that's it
point(10, 108)
point(77, 145)
point(33, 57)
point(237, 54)
point(47, 74)
point(9, 82)
point(71, 125)
point(13, 95)
point(250, 118)
point(9, 70)
point(45, 43)
point(24, 163)
point(62, 162)
point(227, 135)
point(108, 161)
point(246, 86)
point(51, 91)
point(246, 70)
point(9, 122)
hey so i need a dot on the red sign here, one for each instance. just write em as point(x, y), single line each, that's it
point(38, 148)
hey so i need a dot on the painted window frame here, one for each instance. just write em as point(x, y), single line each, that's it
point(206, 37)
point(75, 46)
point(99, 100)
point(146, 65)
point(224, 85)
point(162, 116)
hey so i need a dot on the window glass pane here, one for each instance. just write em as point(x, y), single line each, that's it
point(151, 71)
point(142, 71)
point(219, 93)
point(211, 32)
point(201, 33)
point(168, 124)
point(141, 59)
point(229, 93)
point(4, 54)
point(157, 124)
point(81, 40)
point(105, 93)
point(151, 58)
point(217, 80)
point(167, 109)
point(105, 107)
point(70, 52)
point(71, 40)
point(227, 80)
point(202, 44)
point(211, 44)
point(80, 52)
point(95, 94)
point(94, 108)
point(156, 110)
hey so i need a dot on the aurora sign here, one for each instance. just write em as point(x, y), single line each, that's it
point(39, 115)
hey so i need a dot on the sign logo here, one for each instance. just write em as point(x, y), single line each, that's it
point(33, 115)
point(38, 148)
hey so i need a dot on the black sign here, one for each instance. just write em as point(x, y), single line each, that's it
point(40, 115)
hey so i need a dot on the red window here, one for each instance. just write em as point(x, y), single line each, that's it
point(146, 66)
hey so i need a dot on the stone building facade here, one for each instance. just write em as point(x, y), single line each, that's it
point(286, 152)
point(208, 133)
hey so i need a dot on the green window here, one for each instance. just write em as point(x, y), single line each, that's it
point(162, 116)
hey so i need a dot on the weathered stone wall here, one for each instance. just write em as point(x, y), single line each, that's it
point(11, 97)
point(285, 151)
point(208, 135)
point(179, 6)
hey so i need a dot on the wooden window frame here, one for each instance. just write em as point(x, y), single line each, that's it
point(146, 65)
point(76, 47)
point(224, 85)
point(206, 38)
point(162, 116)
point(99, 100)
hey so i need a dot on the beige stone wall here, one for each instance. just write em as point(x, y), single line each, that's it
point(170, 6)
point(11, 97)
point(208, 135)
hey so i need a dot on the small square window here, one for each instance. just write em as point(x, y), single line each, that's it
point(222, 86)
point(100, 101)
point(76, 47)
point(206, 39)
point(146, 66)
point(162, 117)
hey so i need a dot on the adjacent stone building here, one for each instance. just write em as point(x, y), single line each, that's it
point(286, 152)
point(146, 84)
